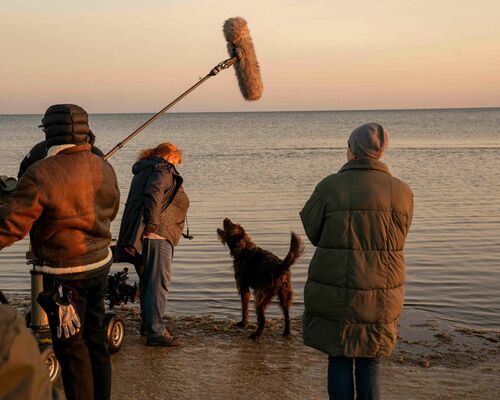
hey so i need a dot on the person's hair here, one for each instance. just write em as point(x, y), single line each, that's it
point(161, 150)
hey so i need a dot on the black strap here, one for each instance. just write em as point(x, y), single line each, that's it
point(187, 235)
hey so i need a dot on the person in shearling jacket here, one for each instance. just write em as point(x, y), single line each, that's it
point(358, 220)
point(67, 202)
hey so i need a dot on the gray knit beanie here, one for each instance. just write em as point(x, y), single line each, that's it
point(368, 141)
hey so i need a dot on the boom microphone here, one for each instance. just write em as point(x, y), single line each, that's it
point(239, 44)
point(242, 53)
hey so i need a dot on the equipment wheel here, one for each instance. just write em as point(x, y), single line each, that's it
point(50, 360)
point(115, 332)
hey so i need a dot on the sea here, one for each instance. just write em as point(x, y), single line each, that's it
point(260, 168)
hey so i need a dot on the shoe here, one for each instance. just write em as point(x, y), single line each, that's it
point(165, 340)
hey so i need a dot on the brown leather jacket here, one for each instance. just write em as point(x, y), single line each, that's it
point(67, 201)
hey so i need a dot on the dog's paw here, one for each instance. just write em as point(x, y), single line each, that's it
point(287, 334)
point(240, 324)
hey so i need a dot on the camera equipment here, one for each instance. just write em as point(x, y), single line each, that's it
point(119, 291)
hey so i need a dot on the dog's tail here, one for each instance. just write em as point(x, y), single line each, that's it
point(296, 250)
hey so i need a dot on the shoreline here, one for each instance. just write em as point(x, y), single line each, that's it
point(433, 359)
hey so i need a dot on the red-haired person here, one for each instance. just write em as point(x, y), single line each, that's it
point(152, 224)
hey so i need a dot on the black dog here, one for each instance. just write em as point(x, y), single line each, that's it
point(262, 271)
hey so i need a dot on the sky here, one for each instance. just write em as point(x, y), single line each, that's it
point(137, 56)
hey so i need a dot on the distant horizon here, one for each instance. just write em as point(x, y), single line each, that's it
point(281, 111)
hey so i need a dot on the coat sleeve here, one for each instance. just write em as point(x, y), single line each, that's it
point(313, 216)
point(22, 371)
point(37, 153)
point(22, 209)
point(159, 181)
point(410, 212)
point(117, 195)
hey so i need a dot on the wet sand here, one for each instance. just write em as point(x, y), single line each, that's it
point(432, 360)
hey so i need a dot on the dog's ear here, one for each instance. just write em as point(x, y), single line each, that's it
point(220, 234)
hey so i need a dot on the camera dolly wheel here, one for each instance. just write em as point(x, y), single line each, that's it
point(50, 360)
point(115, 332)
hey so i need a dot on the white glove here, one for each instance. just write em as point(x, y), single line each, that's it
point(69, 321)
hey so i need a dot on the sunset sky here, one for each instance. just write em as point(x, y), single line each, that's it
point(137, 56)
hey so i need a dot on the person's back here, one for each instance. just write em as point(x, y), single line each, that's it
point(359, 259)
point(140, 201)
point(358, 219)
point(82, 197)
point(67, 201)
point(39, 152)
point(152, 224)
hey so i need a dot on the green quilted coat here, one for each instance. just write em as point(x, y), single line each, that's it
point(358, 220)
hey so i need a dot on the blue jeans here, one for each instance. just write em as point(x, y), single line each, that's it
point(157, 256)
point(341, 378)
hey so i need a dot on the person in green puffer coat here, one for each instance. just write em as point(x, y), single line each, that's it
point(23, 373)
point(358, 220)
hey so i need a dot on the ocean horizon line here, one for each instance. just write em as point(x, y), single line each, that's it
point(492, 108)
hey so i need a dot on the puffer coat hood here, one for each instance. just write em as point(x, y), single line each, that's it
point(358, 219)
point(66, 123)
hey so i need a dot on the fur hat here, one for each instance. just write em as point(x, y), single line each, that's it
point(65, 123)
point(368, 141)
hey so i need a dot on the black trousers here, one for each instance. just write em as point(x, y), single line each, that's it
point(84, 359)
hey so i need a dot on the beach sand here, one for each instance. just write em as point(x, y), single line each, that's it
point(432, 360)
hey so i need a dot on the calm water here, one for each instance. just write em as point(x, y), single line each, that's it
point(260, 168)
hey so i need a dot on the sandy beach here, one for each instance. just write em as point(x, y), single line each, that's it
point(433, 360)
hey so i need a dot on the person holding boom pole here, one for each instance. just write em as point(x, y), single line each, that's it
point(156, 207)
point(42, 198)
point(152, 224)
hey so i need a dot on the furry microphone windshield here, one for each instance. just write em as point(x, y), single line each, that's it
point(242, 53)
point(246, 67)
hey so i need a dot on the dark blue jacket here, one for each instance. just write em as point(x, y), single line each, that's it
point(153, 188)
